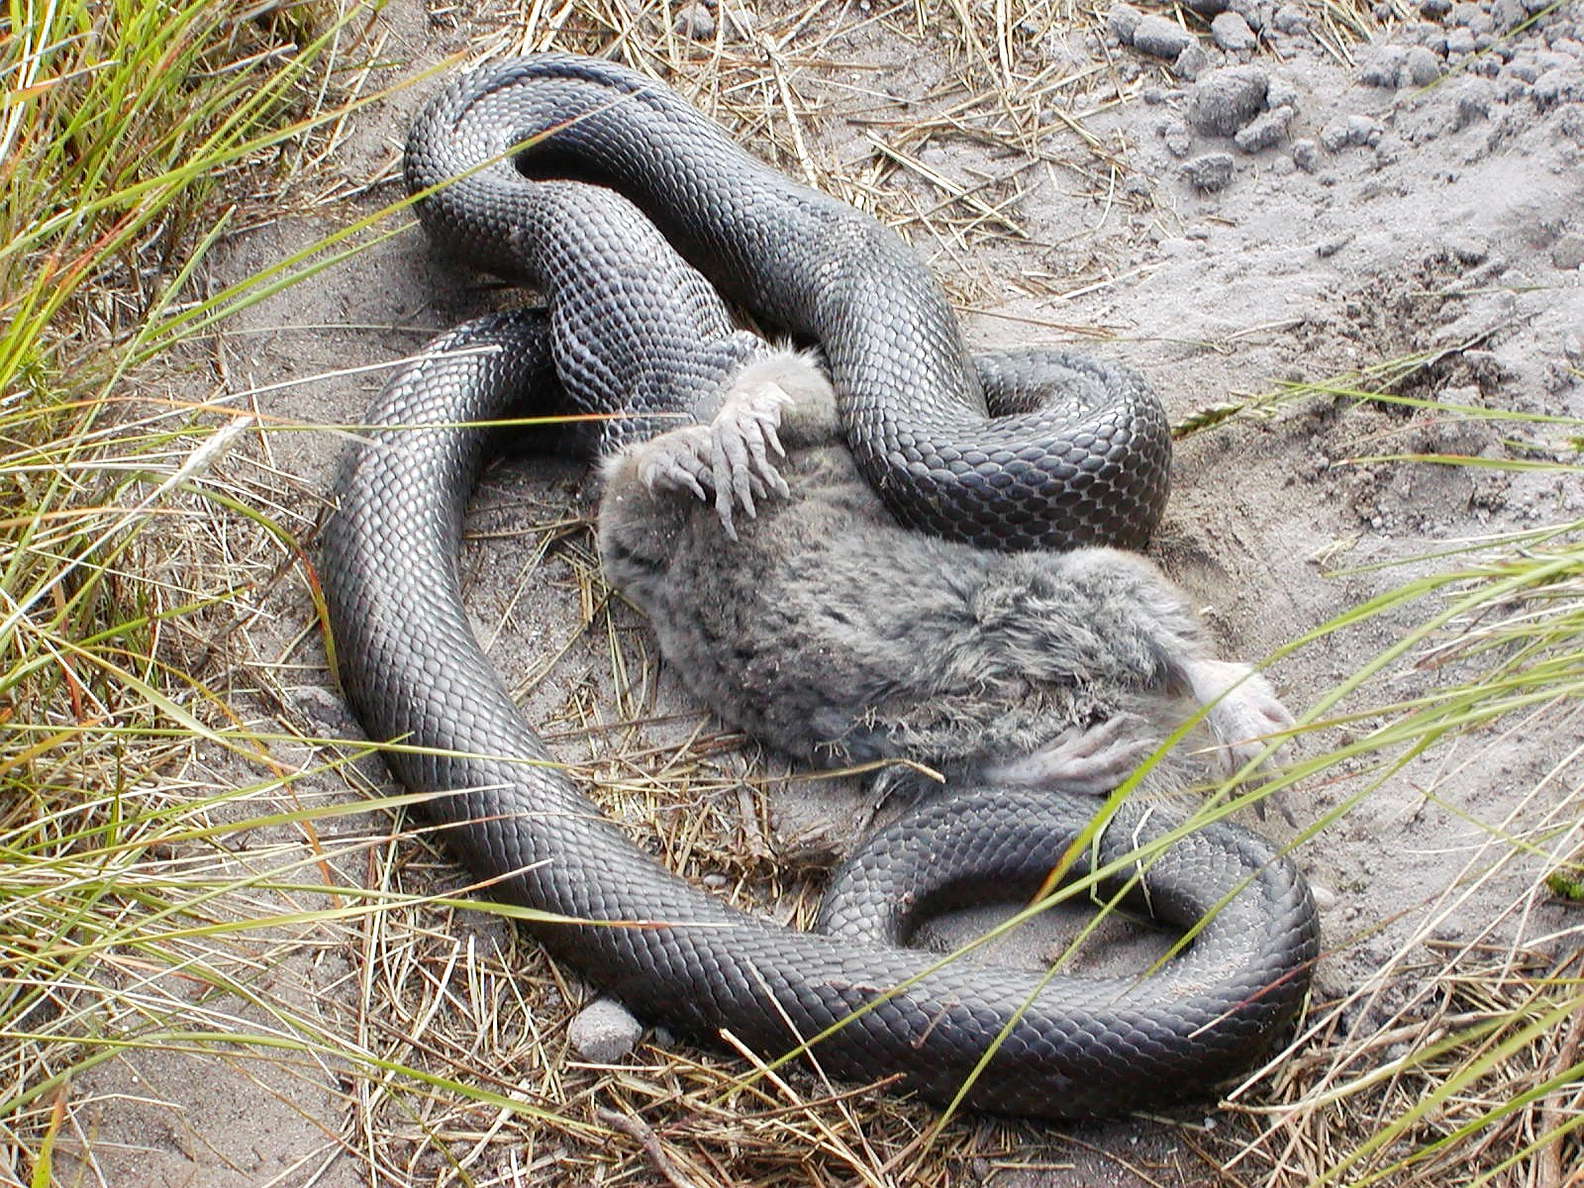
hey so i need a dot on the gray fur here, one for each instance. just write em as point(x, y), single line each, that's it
point(837, 637)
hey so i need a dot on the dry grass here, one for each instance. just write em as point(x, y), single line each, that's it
point(198, 875)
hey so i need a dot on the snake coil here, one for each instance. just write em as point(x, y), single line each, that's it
point(1063, 1046)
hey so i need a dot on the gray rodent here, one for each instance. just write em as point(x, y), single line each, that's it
point(822, 628)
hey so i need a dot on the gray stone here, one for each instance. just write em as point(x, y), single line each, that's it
point(1465, 12)
point(1231, 33)
point(1420, 67)
point(1431, 36)
point(1290, 18)
point(1306, 154)
point(1507, 13)
point(1435, 9)
point(1460, 41)
point(1382, 66)
point(1224, 100)
point(1192, 62)
point(1252, 12)
point(1334, 135)
point(1355, 130)
point(1122, 20)
point(1522, 68)
point(1209, 172)
point(1568, 251)
point(1280, 92)
point(604, 1031)
point(1553, 86)
point(1509, 90)
point(1158, 36)
point(1364, 130)
point(1474, 99)
point(1468, 249)
point(1177, 136)
point(695, 21)
point(1264, 130)
point(1205, 8)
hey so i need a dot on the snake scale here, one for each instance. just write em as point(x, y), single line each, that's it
point(1064, 1046)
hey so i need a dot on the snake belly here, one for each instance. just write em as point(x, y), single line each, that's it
point(911, 401)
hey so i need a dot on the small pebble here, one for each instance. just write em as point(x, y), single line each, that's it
point(695, 21)
point(1280, 92)
point(1178, 137)
point(1251, 12)
point(1290, 18)
point(1383, 67)
point(1364, 130)
point(1475, 96)
point(1206, 8)
point(1209, 172)
point(604, 1031)
point(1553, 86)
point(1222, 101)
point(1158, 36)
point(1522, 69)
point(1231, 33)
point(1460, 41)
point(1192, 62)
point(1507, 13)
point(1432, 37)
point(1264, 130)
point(1420, 67)
point(1568, 251)
point(1334, 136)
point(1468, 249)
point(1306, 154)
point(1122, 20)
point(1436, 9)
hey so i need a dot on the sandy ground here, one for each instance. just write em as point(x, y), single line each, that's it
point(1443, 216)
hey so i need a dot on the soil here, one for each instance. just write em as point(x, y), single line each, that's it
point(1234, 223)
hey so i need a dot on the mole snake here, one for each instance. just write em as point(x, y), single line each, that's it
point(1066, 1046)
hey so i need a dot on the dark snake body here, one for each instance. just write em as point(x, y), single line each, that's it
point(910, 399)
point(410, 665)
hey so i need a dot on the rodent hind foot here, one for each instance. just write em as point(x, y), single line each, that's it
point(1090, 760)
